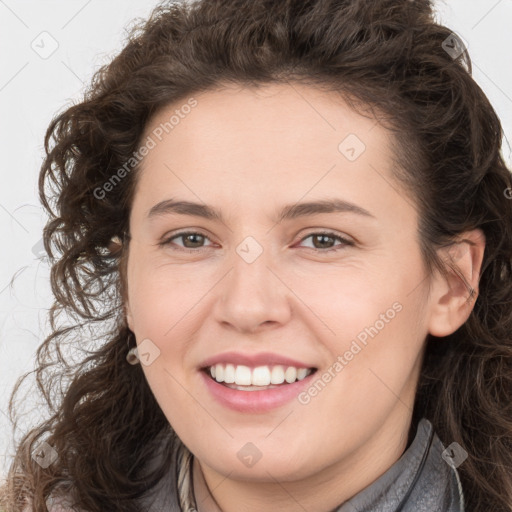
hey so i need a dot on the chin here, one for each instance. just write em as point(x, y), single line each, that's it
point(267, 469)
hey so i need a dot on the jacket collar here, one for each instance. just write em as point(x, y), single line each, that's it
point(420, 481)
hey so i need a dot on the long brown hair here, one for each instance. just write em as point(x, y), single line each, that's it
point(387, 57)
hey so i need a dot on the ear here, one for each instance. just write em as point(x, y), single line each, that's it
point(450, 301)
point(116, 249)
point(129, 317)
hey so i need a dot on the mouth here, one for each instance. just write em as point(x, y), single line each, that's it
point(264, 377)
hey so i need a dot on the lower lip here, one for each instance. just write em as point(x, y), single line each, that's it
point(255, 401)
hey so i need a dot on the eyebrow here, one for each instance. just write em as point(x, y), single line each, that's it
point(288, 212)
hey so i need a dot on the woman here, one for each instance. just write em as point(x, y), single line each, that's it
point(289, 225)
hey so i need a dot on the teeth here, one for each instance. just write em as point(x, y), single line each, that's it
point(243, 376)
point(302, 373)
point(229, 374)
point(219, 373)
point(277, 376)
point(290, 375)
point(262, 376)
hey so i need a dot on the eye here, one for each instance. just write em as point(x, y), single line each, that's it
point(322, 238)
point(192, 237)
point(195, 239)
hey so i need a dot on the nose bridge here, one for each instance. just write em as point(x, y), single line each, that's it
point(251, 261)
point(250, 250)
point(252, 294)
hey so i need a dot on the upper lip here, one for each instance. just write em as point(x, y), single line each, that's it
point(253, 360)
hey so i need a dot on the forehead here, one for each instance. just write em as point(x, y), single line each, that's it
point(268, 124)
point(291, 111)
point(256, 144)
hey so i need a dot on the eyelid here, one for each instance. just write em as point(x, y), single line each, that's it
point(345, 241)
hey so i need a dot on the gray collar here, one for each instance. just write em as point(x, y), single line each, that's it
point(420, 481)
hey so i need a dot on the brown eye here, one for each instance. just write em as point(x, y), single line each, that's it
point(191, 240)
point(323, 241)
point(195, 239)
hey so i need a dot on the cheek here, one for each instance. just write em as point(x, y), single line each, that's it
point(379, 360)
point(159, 297)
point(172, 393)
point(378, 327)
point(345, 301)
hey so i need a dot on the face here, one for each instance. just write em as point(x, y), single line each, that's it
point(271, 283)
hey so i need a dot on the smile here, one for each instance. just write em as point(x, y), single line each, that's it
point(255, 390)
point(244, 377)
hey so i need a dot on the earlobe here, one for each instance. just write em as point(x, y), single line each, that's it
point(451, 300)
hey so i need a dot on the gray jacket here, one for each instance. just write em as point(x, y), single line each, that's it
point(420, 481)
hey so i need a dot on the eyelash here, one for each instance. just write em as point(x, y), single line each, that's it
point(345, 242)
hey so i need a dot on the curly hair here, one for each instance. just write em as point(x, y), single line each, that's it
point(389, 59)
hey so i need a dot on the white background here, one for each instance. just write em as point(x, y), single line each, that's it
point(33, 90)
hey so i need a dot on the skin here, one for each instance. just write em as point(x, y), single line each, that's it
point(249, 152)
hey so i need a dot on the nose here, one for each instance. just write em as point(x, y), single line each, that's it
point(252, 295)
